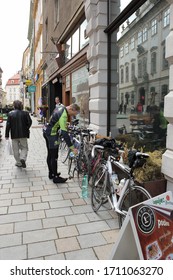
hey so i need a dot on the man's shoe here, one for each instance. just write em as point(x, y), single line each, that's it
point(23, 163)
point(58, 179)
point(18, 164)
point(51, 176)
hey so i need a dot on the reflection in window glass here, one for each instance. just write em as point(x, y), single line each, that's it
point(132, 43)
point(145, 34)
point(126, 48)
point(83, 39)
point(153, 63)
point(153, 27)
point(68, 54)
point(144, 73)
point(139, 37)
point(166, 20)
point(75, 42)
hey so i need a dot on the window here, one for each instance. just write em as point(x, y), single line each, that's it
point(132, 43)
point(56, 12)
point(46, 24)
point(68, 53)
point(164, 91)
point(139, 37)
point(166, 20)
point(153, 63)
point(122, 76)
point(165, 62)
point(75, 42)
point(132, 98)
point(132, 71)
point(83, 39)
point(127, 74)
point(144, 65)
point(121, 51)
point(145, 34)
point(153, 27)
point(139, 69)
point(126, 48)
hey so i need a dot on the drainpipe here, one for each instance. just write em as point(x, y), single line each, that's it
point(108, 72)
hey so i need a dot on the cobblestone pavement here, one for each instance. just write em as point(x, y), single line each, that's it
point(42, 220)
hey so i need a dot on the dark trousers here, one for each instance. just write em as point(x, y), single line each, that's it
point(52, 158)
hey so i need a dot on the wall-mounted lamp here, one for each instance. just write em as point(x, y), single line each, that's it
point(87, 65)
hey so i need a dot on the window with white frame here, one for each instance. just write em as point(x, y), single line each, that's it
point(139, 37)
point(121, 51)
point(127, 74)
point(122, 76)
point(153, 62)
point(153, 27)
point(139, 68)
point(132, 71)
point(145, 34)
point(75, 42)
point(166, 19)
point(126, 48)
point(132, 41)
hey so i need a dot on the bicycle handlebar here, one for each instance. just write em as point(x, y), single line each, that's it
point(94, 148)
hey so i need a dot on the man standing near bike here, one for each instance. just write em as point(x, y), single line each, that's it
point(58, 121)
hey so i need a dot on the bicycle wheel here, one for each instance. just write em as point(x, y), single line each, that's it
point(64, 151)
point(133, 196)
point(77, 176)
point(83, 164)
point(100, 190)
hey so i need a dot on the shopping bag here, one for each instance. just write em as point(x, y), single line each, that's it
point(8, 148)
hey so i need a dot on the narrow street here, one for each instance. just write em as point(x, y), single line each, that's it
point(40, 220)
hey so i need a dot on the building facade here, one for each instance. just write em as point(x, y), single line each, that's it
point(12, 89)
point(86, 61)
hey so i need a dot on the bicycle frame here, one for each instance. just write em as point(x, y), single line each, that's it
point(116, 202)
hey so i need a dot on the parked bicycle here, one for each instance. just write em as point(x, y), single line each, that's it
point(118, 189)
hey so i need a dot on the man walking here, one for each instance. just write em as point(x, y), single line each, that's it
point(58, 121)
point(18, 125)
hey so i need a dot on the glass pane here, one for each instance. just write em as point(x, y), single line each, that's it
point(75, 42)
point(68, 50)
point(83, 39)
point(143, 75)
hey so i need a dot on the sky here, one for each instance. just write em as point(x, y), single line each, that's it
point(14, 22)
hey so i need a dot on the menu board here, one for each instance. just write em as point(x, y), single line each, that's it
point(153, 223)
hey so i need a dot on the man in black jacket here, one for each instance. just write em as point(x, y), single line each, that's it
point(18, 125)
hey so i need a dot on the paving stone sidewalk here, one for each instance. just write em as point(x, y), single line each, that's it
point(42, 220)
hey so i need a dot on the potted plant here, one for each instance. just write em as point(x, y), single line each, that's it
point(150, 175)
